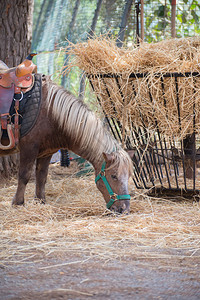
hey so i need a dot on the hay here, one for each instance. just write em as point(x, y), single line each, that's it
point(101, 55)
point(74, 220)
point(131, 104)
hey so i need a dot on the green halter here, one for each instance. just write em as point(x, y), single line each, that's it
point(113, 196)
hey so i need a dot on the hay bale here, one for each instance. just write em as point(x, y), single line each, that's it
point(128, 100)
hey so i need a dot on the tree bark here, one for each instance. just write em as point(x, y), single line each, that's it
point(95, 18)
point(124, 19)
point(15, 37)
point(142, 20)
point(71, 26)
point(90, 34)
point(173, 18)
point(37, 28)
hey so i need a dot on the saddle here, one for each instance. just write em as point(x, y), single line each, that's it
point(14, 83)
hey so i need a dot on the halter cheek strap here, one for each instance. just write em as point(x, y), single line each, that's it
point(113, 196)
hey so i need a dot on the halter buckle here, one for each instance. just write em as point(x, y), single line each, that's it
point(114, 196)
point(102, 173)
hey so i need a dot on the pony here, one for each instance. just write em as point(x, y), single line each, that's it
point(65, 121)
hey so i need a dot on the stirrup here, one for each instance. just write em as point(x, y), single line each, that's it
point(10, 136)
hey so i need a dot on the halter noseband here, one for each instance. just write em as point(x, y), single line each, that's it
point(113, 197)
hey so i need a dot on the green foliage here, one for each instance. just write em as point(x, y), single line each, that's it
point(52, 19)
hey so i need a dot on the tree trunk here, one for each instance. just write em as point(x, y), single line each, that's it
point(90, 34)
point(46, 9)
point(124, 20)
point(95, 18)
point(173, 18)
point(15, 37)
point(71, 27)
point(142, 19)
point(37, 28)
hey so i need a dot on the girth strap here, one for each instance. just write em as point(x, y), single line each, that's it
point(17, 98)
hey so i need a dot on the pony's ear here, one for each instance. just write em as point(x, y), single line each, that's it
point(131, 153)
point(108, 157)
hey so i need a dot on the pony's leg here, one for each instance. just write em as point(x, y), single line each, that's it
point(25, 171)
point(42, 166)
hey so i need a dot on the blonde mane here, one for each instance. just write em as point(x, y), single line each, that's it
point(83, 127)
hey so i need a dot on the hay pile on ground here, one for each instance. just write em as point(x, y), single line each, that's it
point(74, 220)
point(131, 104)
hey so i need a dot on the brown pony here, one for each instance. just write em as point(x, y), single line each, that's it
point(65, 122)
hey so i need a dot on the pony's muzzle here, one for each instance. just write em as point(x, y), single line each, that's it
point(121, 207)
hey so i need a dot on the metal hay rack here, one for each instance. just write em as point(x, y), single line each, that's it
point(163, 165)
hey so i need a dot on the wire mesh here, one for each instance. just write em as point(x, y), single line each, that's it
point(157, 19)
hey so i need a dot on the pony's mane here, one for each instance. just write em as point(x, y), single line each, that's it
point(83, 127)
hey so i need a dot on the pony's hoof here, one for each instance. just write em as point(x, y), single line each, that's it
point(16, 202)
point(39, 201)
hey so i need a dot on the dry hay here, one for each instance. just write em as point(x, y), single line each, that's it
point(74, 220)
point(131, 105)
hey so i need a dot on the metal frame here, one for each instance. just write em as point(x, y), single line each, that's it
point(157, 165)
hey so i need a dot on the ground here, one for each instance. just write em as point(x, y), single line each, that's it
point(75, 277)
point(72, 248)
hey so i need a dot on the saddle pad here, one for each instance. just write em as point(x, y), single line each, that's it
point(29, 106)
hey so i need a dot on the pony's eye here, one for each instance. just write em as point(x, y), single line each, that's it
point(114, 177)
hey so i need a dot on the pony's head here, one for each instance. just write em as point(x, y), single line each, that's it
point(112, 180)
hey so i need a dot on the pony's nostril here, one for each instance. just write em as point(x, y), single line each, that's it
point(113, 208)
point(124, 209)
point(120, 210)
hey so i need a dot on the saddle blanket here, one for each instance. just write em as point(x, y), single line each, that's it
point(29, 106)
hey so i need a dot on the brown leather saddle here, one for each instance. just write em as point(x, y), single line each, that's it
point(14, 82)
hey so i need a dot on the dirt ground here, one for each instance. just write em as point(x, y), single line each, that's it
point(49, 253)
point(75, 277)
